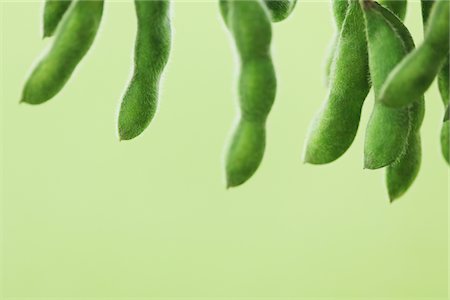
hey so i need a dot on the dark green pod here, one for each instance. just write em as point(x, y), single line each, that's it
point(73, 40)
point(413, 76)
point(54, 10)
point(334, 127)
point(151, 54)
point(426, 6)
point(398, 7)
point(249, 24)
point(280, 9)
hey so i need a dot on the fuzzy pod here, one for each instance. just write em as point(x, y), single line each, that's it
point(415, 73)
point(280, 9)
point(250, 27)
point(335, 125)
point(151, 54)
point(73, 40)
point(388, 128)
point(54, 10)
point(401, 174)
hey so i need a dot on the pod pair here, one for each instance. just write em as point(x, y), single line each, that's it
point(392, 134)
point(334, 127)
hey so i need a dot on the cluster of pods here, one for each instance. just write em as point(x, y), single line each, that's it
point(371, 46)
point(374, 48)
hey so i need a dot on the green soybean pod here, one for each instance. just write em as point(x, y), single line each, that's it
point(151, 55)
point(334, 127)
point(73, 40)
point(54, 10)
point(388, 128)
point(339, 8)
point(280, 9)
point(413, 76)
point(249, 24)
point(401, 174)
point(443, 84)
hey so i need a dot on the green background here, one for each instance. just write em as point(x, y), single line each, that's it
point(84, 215)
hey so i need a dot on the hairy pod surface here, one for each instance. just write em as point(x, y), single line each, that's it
point(414, 75)
point(73, 40)
point(280, 9)
point(54, 10)
point(401, 174)
point(334, 126)
point(388, 128)
point(339, 8)
point(249, 24)
point(151, 55)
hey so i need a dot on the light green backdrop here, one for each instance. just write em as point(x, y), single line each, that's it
point(87, 216)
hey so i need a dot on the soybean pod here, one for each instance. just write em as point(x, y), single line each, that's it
point(413, 76)
point(151, 55)
point(443, 84)
point(401, 174)
point(249, 24)
point(388, 128)
point(54, 10)
point(334, 127)
point(280, 9)
point(73, 40)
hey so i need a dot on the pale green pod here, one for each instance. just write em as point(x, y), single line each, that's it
point(54, 10)
point(334, 127)
point(415, 73)
point(151, 55)
point(280, 9)
point(73, 40)
point(388, 128)
point(249, 24)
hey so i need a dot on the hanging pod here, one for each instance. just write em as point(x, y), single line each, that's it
point(250, 27)
point(414, 75)
point(74, 38)
point(151, 54)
